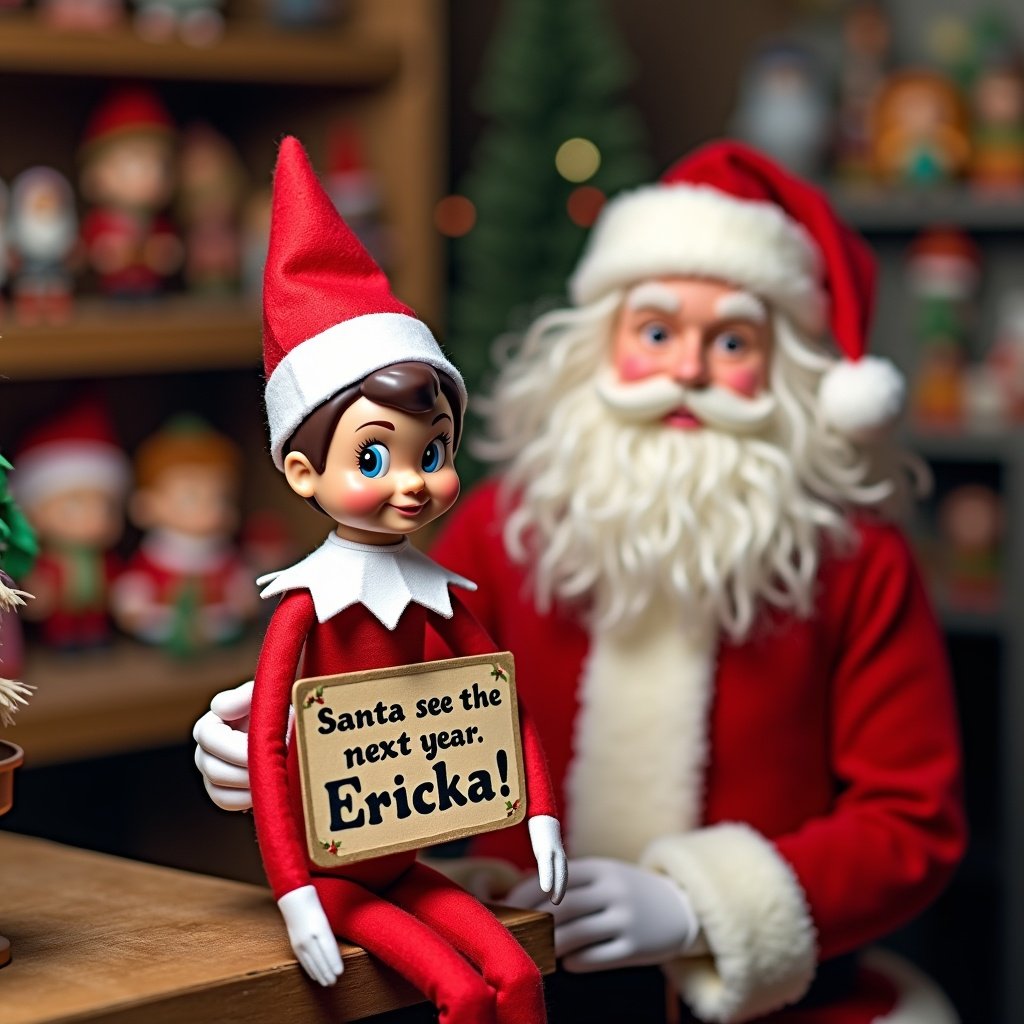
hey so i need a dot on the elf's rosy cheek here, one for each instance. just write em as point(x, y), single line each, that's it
point(360, 496)
point(631, 366)
point(444, 487)
point(746, 381)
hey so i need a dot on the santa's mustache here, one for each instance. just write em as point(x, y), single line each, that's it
point(647, 400)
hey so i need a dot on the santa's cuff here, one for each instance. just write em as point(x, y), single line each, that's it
point(753, 914)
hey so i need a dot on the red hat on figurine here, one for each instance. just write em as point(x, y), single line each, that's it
point(329, 317)
point(127, 110)
point(76, 448)
point(728, 212)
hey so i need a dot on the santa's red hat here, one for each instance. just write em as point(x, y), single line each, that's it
point(329, 317)
point(75, 449)
point(126, 111)
point(728, 212)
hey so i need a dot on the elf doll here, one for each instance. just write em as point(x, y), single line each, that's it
point(71, 482)
point(365, 413)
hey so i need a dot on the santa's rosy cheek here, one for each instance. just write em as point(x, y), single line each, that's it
point(744, 381)
point(632, 367)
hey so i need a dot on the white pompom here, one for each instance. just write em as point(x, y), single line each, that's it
point(862, 398)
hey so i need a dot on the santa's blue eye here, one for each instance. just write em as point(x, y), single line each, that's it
point(433, 456)
point(374, 460)
point(731, 343)
point(656, 333)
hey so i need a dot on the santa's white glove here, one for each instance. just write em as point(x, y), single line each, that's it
point(222, 755)
point(310, 934)
point(615, 915)
point(552, 868)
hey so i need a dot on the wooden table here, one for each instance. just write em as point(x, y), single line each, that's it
point(100, 939)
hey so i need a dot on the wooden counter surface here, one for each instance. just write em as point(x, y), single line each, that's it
point(100, 939)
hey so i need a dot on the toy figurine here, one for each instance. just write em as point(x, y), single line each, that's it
point(352, 188)
point(211, 187)
point(997, 150)
point(255, 235)
point(944, 270)
point(1005, 357)
point(43, 238)
point(971, 522)
point(867, 37)
point(128, 178)
point(81, 15)
point(71, 482)
point(196, 22)
point(919, 134)
point(187, 588)
point(783, 107)
point(18, 550)
point(365, 414)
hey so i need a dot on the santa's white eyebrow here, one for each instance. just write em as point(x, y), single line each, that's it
point(741, 306)
point(651, 295)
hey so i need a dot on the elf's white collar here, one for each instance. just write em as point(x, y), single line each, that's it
point(385, 579)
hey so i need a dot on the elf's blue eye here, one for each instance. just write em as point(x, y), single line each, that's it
point(374, 460)
point(433, 456)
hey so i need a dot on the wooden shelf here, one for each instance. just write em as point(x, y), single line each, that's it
point(247, 53)
point(120, 699)
point(111, 941)
point(106, 338)
point(876, 210)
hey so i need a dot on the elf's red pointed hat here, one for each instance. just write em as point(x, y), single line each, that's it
point(728, 212)
point(75, 448)
point(329, 317)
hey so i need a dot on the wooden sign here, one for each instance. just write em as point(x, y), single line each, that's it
point(401, 758)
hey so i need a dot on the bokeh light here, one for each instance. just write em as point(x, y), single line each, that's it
point(577, 159)
point(454, 216)
point(584, 204)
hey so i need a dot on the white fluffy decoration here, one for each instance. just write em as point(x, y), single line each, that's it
point(862, 398)
point(920, 1000)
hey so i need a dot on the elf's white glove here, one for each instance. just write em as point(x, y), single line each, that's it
point(310, 934)
point(552, 869)
point(615, 915)
point(222, 754)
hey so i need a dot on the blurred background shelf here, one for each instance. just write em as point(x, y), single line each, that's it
point(247, 53)
point(106, 339)
point(120, 699)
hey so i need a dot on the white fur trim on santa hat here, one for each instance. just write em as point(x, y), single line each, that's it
point(697, 230)
point(861, 398)
point(754, 915)
point(62, 466)
point(340, 356)
point(920, 1000)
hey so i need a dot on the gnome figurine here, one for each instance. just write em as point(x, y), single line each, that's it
point(365, 414)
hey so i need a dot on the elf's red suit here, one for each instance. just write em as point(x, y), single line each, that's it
point(403, 912)
point(810, 802)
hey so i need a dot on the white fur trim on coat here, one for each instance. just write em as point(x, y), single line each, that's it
point(647, 688)
point(688, 230)
point(753, 914)
point(339, 357)
point(921, 1001)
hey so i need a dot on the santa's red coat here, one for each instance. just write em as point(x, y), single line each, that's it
point(828, 800)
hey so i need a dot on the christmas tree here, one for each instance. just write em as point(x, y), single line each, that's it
point(559, 137)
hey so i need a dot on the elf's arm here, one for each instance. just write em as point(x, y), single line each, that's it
point(464, 636)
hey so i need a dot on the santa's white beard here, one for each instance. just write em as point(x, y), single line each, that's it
point(614, 516)
point(44, 238)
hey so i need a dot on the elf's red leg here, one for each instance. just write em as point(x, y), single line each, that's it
point(473, 930)
point(411, 947)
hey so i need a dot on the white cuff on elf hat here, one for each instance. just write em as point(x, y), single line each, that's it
point(729, 213)
point(329, 317)
point(753, 914)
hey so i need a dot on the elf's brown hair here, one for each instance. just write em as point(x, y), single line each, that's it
point(411, 387)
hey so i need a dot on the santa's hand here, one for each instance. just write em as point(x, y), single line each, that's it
point(222, 755)
point(616, 915)
point(552, 868)
point(310, 934)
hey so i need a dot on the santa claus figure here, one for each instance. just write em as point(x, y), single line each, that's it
point(735, 669)
point(43, 236)
point(128, 178)
point(71, 483)
point(187, 588)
